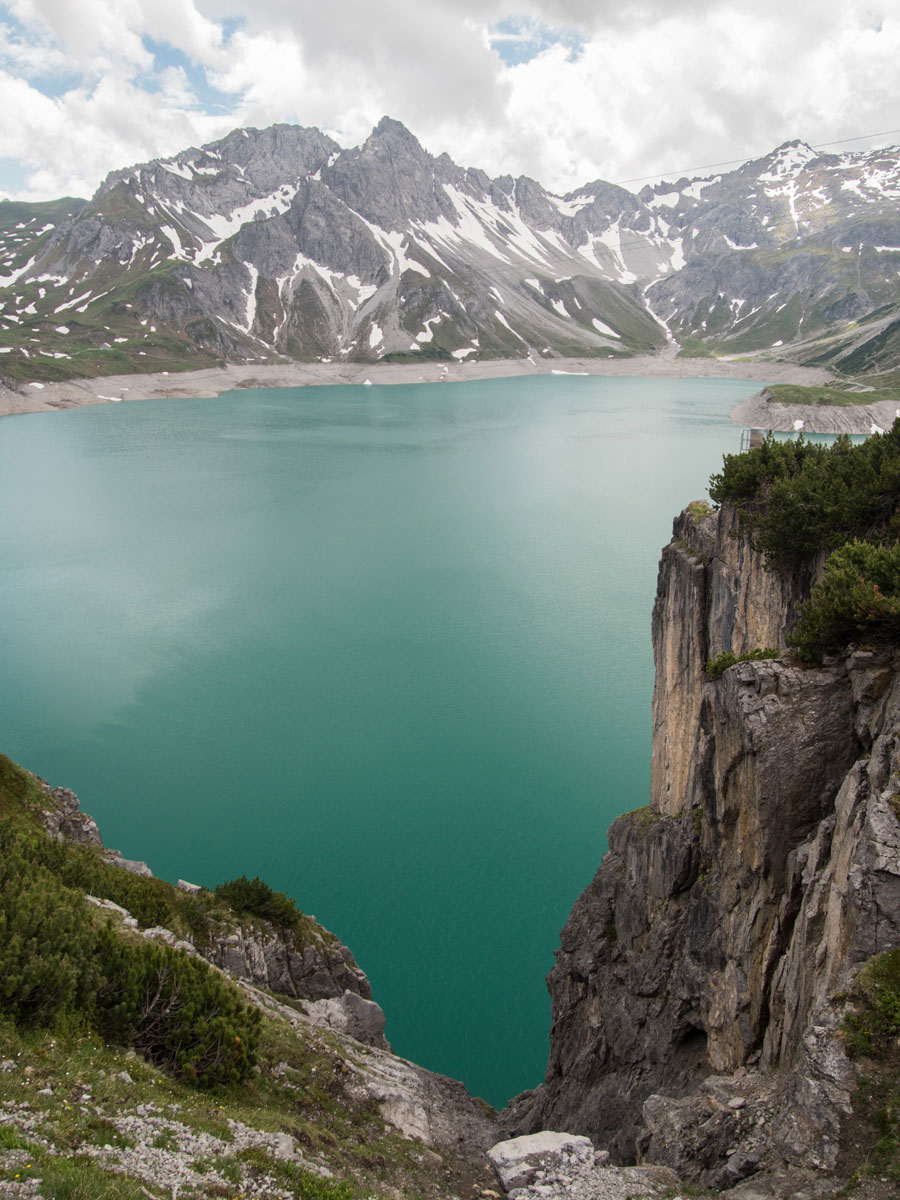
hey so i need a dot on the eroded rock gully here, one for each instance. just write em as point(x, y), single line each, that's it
point(694, 993)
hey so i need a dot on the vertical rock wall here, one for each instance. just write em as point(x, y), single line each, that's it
point(726, 915)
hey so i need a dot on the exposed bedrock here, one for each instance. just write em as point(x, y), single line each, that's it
point(315, 967)
point(727, 915)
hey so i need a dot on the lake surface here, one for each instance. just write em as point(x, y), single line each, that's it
point(387, 647)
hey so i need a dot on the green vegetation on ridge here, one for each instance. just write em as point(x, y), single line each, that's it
point(841, 397)
point(796, 499)
point(716, 667)
point(105, 1035)
point(871, 1032)
point(254, 896)
point(62, 966)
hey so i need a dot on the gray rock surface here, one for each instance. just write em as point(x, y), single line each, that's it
point(319, 967)
point(728, 915)
point(314, 967)
point(518, 1160)
point(134, 866)
point(560, 1166)
point(276, 244)
point(352, 1015)
point(64, 820)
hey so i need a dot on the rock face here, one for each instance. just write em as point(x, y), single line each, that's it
point(64, 819)
point(277, 244)
point(560, 1166)
point(728, 914)
point(271, 958)
point(317, 967)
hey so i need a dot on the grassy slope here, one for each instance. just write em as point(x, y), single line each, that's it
point(872, 1134)
point(785, 393)
point(63, 1097)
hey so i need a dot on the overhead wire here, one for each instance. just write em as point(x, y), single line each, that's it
point(784, 224)
point(680, 172)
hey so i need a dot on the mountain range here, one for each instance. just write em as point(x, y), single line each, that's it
point(277, 244)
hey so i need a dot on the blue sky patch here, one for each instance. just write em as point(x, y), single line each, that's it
point(49, 83)
point(519, 40)
point(209, 98)
point(13, 177)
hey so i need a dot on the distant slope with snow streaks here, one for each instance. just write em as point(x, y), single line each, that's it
point(276, 244)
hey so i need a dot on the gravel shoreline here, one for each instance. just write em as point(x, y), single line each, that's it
point(74, 393)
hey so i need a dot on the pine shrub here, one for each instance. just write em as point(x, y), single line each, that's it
point(47, 967)
point(858, 600)
point(58, 964)
point(176, 1011)
point(256, 898)
point(795, 500)
point(716, 667)
point(798, 498)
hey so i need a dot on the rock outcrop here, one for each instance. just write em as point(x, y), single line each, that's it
point(694, 992)
point(560, 1166)
point(315, 967)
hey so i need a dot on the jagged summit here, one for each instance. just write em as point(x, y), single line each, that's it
point(274, 244)
point(390, 130)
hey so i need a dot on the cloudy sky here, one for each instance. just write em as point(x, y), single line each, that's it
point(563, 90)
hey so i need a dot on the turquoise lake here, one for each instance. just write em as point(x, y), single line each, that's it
point(387, 647)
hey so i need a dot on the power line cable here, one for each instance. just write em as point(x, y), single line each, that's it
point(646, 241)
point(681, 171)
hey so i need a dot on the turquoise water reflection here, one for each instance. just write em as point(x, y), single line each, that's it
point(387, 647)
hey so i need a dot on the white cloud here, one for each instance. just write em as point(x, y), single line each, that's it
point(655, 86)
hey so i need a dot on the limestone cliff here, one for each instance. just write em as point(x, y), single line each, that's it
point(727, 915)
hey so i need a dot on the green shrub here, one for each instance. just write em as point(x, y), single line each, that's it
point(56, 964)
point(255, 897)
point(797, 498)
point(82, 868)
point(46, 940)
point(876, 1020)
point(175, 1011)
point(858, 599)
point(716, 667)
point(17, 786)
point(150, 901)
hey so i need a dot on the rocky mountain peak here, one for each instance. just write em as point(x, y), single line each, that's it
point(273, 243)
point(786, 160)
point(390, 132)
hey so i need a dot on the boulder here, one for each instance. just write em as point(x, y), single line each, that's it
point(518, 1160)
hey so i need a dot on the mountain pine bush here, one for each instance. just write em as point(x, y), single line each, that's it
point(46, 940)
point(797, 499)
point(176, 1011)
point(58, 964)
point(256, 898)
point(857, 600)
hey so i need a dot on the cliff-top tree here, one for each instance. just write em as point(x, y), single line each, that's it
point(797, 499)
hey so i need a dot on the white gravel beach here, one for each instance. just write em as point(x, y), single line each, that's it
point(48, 397)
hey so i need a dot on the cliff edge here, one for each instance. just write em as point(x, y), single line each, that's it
point(703, 973)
